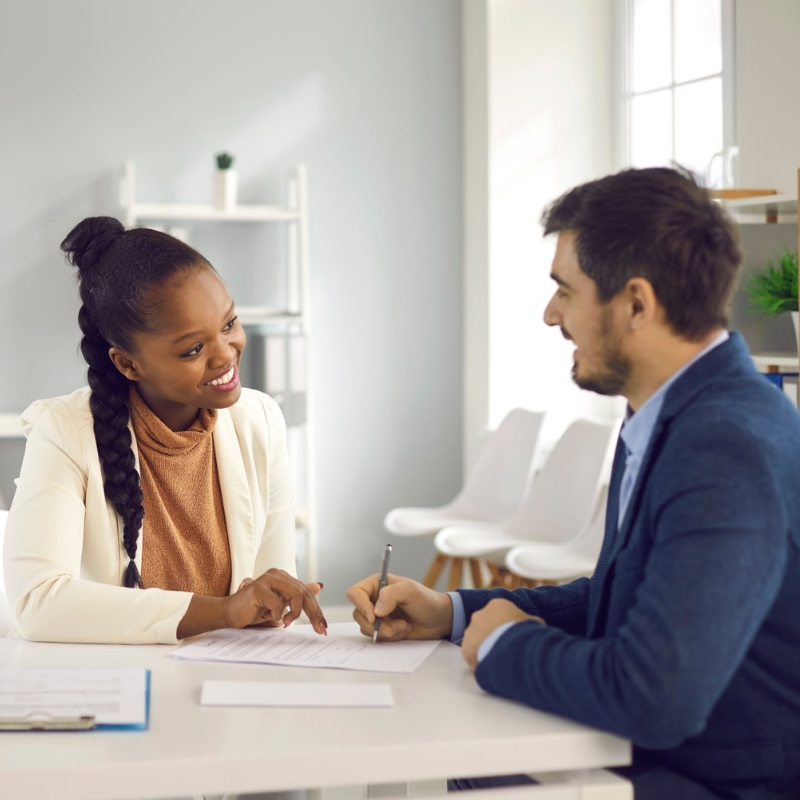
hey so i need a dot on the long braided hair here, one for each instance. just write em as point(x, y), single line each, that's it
point(117, 269)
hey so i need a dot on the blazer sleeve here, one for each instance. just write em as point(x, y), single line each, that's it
point(657, 677)
point(277, 548)
point(561, 606)
point(47, 535)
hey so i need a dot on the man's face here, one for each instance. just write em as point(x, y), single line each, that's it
point(599, 362)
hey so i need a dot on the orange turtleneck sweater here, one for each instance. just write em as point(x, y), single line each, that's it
point(184, 537)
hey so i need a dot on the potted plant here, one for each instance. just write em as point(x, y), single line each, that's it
point(773, 289)
point(225, 183)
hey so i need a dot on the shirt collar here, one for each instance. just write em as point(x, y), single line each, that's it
point(638, 427)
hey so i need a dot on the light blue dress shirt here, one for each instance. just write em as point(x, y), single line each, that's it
point(635, 434)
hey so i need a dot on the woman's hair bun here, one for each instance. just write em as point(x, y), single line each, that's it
point(89, 239)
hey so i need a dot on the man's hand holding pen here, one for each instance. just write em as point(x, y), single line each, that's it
point(406, 609)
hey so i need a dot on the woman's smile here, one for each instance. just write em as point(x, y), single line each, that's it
point(226, 382)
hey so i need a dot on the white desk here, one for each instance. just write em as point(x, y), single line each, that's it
point(442, 725)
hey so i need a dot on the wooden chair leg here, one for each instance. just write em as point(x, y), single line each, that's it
point(475, 571)
point(496, 573)
point(435, 570)
point(454, 579)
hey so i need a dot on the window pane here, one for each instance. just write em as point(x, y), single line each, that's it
point(698, 123)
point(651, 65)
point(698, 39)
point(651, 129)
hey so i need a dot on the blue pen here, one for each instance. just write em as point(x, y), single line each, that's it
point(384, 572)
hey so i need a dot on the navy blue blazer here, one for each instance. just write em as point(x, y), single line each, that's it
point(687, 638)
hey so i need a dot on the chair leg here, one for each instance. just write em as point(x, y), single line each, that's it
point(475, 570)
point(496, 573)
point(502, 578)
point(454, 579)
point(435, 570)
point(514, 581)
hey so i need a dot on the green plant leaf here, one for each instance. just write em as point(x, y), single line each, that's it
point(773, 289)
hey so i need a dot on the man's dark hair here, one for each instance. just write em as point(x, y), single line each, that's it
point(657, 224)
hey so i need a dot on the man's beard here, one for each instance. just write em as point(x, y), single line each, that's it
point(616, 369)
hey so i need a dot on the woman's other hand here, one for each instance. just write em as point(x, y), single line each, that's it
point(288, 618)
point(274, 599)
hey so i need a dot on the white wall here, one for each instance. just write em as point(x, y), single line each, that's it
point(551, 111)
point(476, 121)
point(768, 98)
point(367, 94)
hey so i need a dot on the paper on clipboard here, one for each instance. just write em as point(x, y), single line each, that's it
point(115, 698)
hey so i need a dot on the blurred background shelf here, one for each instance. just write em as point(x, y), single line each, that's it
point(284, 330)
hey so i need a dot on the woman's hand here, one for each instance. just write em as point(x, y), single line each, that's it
point(287, 619)
point(274, 599)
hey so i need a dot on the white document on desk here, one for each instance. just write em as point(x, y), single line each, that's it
point(299, 646)
point(297, 695)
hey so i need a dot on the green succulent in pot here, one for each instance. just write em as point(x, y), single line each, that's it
point(773, 289)
point(224, 161)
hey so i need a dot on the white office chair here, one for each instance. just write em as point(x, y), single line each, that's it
point(5, 614)
point(548, 562)
point(557, 507)
point(491, 494)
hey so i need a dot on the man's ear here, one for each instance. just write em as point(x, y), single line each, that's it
point(124, 363)
point(641, 303)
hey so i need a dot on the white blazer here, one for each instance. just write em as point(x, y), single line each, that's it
point(63, 558)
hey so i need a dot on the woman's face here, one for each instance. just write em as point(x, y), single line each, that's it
point(191, 360)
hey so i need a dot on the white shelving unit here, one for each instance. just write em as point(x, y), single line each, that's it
point(771, 209)
point(292, 319)
point(10, 426)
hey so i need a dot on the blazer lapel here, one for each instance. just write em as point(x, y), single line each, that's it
point(236, 499)
point(725, 359)
point(729, 354)
point(636, 493)
point(604, 559)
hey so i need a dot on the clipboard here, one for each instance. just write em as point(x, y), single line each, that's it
point(74, 699)
point(37, 722)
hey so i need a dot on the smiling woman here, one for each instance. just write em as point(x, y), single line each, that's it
point(156, 503)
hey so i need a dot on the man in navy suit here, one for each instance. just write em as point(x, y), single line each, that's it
point(686, 640)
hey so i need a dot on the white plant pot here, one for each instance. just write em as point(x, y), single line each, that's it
point(796, 320)
point(226, 184)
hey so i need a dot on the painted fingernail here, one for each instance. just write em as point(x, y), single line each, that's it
point(321, 584)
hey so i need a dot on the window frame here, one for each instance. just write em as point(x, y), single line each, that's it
point(624, 78)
